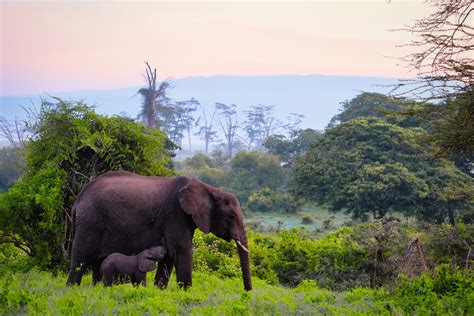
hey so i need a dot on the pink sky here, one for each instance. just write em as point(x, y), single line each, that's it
point(65, 46)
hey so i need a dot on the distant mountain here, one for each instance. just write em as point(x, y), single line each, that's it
point(317, 97)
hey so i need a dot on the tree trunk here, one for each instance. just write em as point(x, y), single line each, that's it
point(189, 139)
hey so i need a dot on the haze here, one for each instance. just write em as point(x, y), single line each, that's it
point(67, 46)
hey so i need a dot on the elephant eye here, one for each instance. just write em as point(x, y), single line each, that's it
point(230, 217)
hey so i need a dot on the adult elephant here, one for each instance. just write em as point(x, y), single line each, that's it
point(127, 213)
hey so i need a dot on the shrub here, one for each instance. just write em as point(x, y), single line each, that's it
point(71, 144)
point(306, 220)
point(267, 200)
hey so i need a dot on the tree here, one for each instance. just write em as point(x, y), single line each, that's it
point(367, 165)
point(70, 145)
point(153, 99)
point(259, 124)
point(252, 171)
point(16, 133)
point(206, 127)
point(187, 108)
point(443, 47)
point(443, 61)
point(292, 125)
point(378, 105)
point(289, 148)
point(228, 122)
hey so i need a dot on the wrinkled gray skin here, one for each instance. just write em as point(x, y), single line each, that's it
point(126, 213)
point(117, 267)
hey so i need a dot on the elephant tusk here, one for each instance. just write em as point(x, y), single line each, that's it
point(241, 246)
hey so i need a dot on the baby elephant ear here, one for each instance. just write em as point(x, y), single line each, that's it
point(144, 264)
point(195, 200)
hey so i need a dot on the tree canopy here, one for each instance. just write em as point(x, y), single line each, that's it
point(367, 165)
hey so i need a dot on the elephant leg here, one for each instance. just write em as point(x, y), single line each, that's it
point(108, 278)
point(75, 274)
point(184, 269)
point(163, 273)
point(81, 256)
point(96, 274)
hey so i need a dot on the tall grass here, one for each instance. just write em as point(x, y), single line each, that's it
point(41, 293)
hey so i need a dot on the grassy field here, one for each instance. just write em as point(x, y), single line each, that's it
point(315, 220)
point(41, 293)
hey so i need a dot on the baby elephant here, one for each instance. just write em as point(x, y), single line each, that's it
point(117, 267)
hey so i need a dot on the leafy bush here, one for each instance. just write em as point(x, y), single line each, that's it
point(214, 255)
point(267, 200)
point(449, 289)
point(252, 171)
point(71, 145)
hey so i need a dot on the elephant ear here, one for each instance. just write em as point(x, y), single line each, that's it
point(144, 264)
point(195, 200)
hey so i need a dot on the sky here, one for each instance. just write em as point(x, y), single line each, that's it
point(92, 45)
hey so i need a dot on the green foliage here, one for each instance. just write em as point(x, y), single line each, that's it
point(267, 200)
point(202, 167)
point(252, 171)
point(290, 148)
point(368, 165)
point(453, 130)
point(378, 105)
point(199, 161)
point(71, 145)
point(450, 244)
point(316, 267)
point(289, 257)
point(448, 289)
point(215, 256)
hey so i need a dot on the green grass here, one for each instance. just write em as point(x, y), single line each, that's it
point(41, 293)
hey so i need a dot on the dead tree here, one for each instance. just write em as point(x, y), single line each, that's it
point(152, 98)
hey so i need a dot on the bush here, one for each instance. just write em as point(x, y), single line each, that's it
point(267, 200)
point(70, 146)
point(250, 172)
point(449, 289)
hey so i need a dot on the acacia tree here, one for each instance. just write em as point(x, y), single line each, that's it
point(259, 124)
point(187, 118)
point(443, 61)
point(443, 57)
point(153, 98)
point(206, 127)
point(228, 122)
point(292, 125)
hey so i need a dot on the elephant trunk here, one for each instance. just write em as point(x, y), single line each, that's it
point(242, 246)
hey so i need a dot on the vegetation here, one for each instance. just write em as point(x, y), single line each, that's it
point(336, 260)
point(369, 165)
point(288, 148)
point(71, 145)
